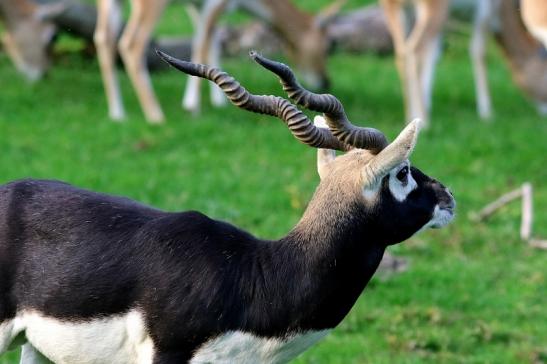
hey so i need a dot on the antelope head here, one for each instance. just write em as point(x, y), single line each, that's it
point(373, 179)
point(28, 35)
point(306, 39)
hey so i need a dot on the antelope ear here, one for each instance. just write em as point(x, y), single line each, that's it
point(327, 14)
point(394, 154)
point(324, 156)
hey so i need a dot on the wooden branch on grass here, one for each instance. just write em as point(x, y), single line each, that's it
point(527, 215)
point(489, 209)
point(539, 244)
point(527, 212)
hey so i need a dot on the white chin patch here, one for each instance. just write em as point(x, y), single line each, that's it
point(441, 217)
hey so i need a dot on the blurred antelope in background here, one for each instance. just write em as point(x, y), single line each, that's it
point(534, 15)
point(416, 54)
point(304, 36)
point(524, 54)
point(28, 34)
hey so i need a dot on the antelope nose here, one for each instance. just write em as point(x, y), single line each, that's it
point(446, 200)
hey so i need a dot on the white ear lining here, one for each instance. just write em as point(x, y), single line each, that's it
point(324, 156)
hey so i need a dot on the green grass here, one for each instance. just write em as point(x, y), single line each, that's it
point(473, 294)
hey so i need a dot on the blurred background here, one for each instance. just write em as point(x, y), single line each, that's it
point(474, 292)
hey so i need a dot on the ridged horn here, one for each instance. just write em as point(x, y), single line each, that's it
point(299, 124)
point(359, 137)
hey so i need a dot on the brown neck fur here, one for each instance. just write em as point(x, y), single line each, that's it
point(338, 190)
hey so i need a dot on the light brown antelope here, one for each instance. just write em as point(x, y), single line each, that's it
point(304, 36)
point(416, 53)
point(534, 15)
point(28, 35)
point(524, 54)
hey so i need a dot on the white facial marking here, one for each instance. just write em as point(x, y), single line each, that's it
point(242, 347)
point(401, 188)
point(116, 339)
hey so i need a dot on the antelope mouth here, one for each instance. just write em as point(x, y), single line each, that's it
point(442, 216)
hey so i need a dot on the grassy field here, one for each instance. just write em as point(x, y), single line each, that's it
point(474, 293)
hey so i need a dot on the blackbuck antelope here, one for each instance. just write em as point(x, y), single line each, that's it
point(303, 34)
point(28, 34)
point(93, 278)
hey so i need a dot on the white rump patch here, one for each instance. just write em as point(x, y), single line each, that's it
point(245, 348)
point(115, 339)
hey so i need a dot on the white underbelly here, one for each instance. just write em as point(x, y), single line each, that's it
point(242, 348)
point(123, 339)
point(119, 339)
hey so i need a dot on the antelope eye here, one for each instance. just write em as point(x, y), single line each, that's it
point(401, 175)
